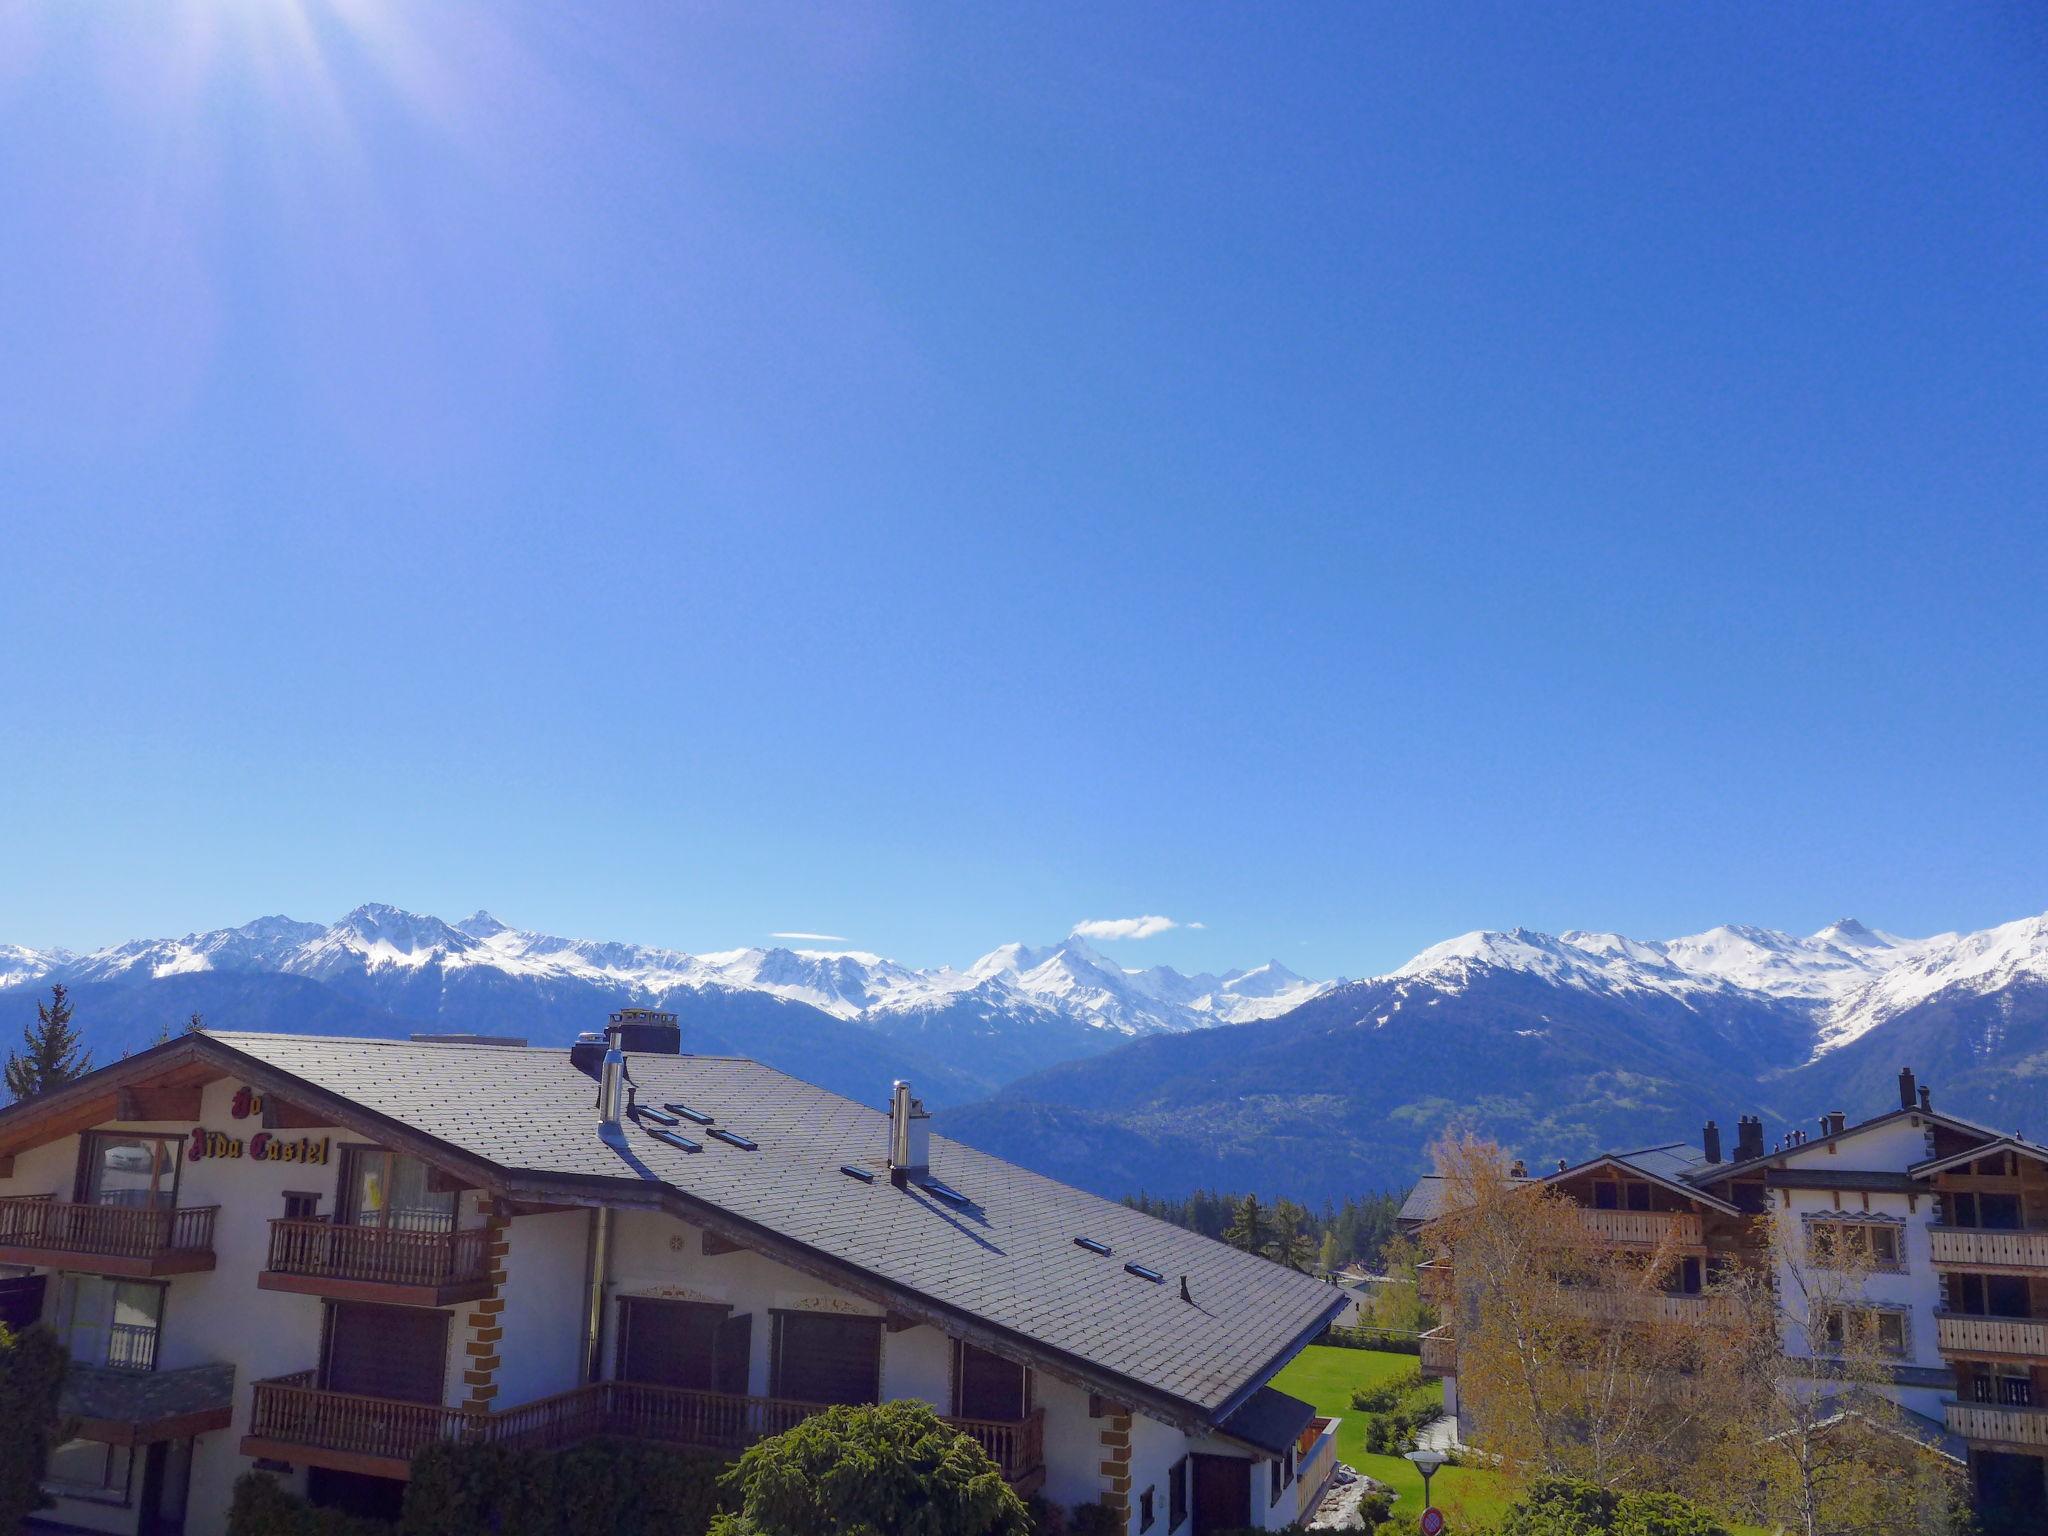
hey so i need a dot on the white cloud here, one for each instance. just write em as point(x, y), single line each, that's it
point(1126, 927)
point(823, 938)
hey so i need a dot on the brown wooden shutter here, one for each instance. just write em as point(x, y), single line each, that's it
point(821, 1357)
point(399, 1352)
point(669, 1343)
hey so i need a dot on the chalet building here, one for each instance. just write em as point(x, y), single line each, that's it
point(319, 1256)
point(1950, 1218)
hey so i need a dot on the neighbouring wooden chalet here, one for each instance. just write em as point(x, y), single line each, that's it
point(1950, 1219)
point(321, 1255)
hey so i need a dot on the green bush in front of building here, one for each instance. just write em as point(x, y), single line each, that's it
point(599, 1488)
point(264, 1507)
point(31, 1378)
point(893, 1467)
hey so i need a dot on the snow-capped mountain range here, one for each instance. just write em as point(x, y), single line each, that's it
point(1851, 977)
point(1069, 979)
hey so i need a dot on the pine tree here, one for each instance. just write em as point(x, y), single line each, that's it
point(52, 1053)
point(1247, 1229)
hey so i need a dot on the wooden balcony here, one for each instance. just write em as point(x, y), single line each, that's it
point(1637, 1306)
point(421, 1269)
point(2024, 1430)
point(294, 1420)
point(1648, 1228)
point(130, 1242)
point(1315, 1463)
point(2023, 1338)
point(1434, 1281)
point(1439, 1353)
point(2023, 1253)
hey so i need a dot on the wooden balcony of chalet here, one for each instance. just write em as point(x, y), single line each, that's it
point(2020, 1253)
point(387, 1264)
point(1643, 1307)
point(1997, 1427)
point(131, 1242)
point(2001, 1338)
point(1439, 1352)
point(1433, 1278)
point(1647, 1228)
point(293, 1419)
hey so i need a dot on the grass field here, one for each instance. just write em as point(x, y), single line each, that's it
point(1326, 1376)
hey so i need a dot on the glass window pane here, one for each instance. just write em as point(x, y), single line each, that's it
point(139, 1171)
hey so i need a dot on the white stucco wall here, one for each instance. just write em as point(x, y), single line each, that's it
point(1888, 1148)
point(545, 1265)
point(1073, 1444)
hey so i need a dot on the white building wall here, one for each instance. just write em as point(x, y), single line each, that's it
point(1155, 1447)
point(1890, 1148)
point(546, 1261)
point(1073, 1443)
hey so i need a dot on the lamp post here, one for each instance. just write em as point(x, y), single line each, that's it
point(1427, 1463)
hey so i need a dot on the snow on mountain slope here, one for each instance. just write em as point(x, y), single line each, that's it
point(1972, 964)
point(1730, 960)
point(378, 943)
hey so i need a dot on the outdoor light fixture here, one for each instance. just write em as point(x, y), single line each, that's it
point(1427, 1462)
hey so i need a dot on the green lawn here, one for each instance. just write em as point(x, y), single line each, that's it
point(1325, 1375)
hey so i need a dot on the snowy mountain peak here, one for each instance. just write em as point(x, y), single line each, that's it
point(1970, 964)
point(481, 925)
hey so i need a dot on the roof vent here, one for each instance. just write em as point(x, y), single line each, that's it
point(611, 1094)
point(910, 1137)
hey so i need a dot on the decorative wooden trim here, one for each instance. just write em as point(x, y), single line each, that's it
point(714, 1245)
point(144, 1102)
point(180, 1426)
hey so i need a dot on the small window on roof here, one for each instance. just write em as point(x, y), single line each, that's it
point(674, 1140)
point(1091, 1245)
point(735, 1139)
point(947, 1192)
point(696, 1115)
point(1145, 1272)
point(865, 1175)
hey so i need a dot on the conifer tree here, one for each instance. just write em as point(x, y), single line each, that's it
point(1247, 1229)
point(52, 1052)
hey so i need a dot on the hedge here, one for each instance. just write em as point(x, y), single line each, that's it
point(1372, 1338)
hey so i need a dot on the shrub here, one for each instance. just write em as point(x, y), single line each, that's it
point(1390, 1434)
point(599, 1488)
point(1387, 1395)
point(893, 1468)
point(1372, 1338)
point(1376, 1509)
point(1663, 1514)
point(261, 1507)
point(31, 1377)
point(1094, 1519)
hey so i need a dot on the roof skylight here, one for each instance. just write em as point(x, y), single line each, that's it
point(1145, 1272)
point(865, 1175)
point(1091, 1245)
point(734, 1138)
point(674, 1140)
point(947, 1192)
point(688, 1113)
point(642, 1112)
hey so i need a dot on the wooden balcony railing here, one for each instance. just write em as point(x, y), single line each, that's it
point(1981, 1423)
point(291, 1412)
point(1989, 1250)
point(120, 1239)
point(1434, 1280)
point(1644, 1226)
point(320, 1250)
point(1638, 1306)
point(1316, 1460)
point(1439, 1352)
point(1960, 1334)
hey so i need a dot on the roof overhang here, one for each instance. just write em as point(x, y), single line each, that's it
point(2017, 1144)
point(1675, 1186)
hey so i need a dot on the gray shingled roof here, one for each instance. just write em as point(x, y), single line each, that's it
point(145, 1397)
point(1009, 1259)
point(1270, 1420)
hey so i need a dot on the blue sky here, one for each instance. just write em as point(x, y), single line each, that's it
point(1339, 475)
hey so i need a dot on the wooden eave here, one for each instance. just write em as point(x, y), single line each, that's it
point(390, 1293)
point(177, 1426)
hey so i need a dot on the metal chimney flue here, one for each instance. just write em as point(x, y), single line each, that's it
point(910, 1137)
point(611, 1094)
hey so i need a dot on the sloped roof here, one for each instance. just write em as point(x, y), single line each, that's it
point(1006, 1259)
point(2019, 1144)
point(1269, 1420)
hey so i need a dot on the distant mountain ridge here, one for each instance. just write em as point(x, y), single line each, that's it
point(1556, 1045)
point(1015, 1010)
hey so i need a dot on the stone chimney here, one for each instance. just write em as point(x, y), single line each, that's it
point(1927, 1100)
point(1749, 1138)
point(1710, 1141)
point(1906, 1095)
point(1837, 1121)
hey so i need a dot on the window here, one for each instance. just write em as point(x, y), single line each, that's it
point(1145, 1510)
point(389, 1189)
point(1275, 1499)
point(301, 1205)
point(136, 1171)
point(1176, 1496)
point(1835, 1244)
point(89, 1469)
point(1606, 1195)
point(1988, 1212)
point(110, 1322)
point(987, 1386)
point(1880, 1329)
point(1638, 1197)
point(1989, 1295)
point(825, 1357)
